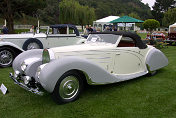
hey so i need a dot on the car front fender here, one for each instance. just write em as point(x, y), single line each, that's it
point(52, 71)
point(34, 56)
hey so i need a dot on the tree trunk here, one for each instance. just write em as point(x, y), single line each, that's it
point(82, 26)
point(8, 15)
point(10, 23)
point(59, 12)
point(151, 35)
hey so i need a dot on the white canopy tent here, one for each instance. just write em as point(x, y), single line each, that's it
point(172, 28)
point(105, 21)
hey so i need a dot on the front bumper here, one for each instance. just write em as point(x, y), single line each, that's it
point(35, 90)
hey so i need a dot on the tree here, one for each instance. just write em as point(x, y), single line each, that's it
point(169, 17)
point(9, 8)
point(7, 12)
point(151, 24)
point(163, 6)
point(160, 7)
point(72, 12)
point(104, 8)
point(134, 15)
point(50, 14)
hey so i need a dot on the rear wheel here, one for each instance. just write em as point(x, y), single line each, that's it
point(7, 56)
point(32, 44)
point(68, 87)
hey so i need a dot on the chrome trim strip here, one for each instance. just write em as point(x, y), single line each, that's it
point(36, 90)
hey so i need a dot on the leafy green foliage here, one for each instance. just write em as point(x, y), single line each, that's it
point(169, 17)
point(82, 12)
point(50, 14)
point(29, 7)
point(134, 15)
point(66, 11)
point(151, 24)
point(163, 6)
point(160, 7)
point(104, 8)
point(72, 12)
point(10, 8)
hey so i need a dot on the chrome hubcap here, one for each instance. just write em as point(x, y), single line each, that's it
point(69, 87)
point(33, 46)
point(6, 57)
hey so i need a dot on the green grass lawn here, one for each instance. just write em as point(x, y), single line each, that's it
point(142, 35)
point(144, 97)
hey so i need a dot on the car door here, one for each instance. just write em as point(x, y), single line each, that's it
point(127, 59)
point(61, 37)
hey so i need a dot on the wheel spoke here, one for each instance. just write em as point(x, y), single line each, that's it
point(6, 57)
point(33, 46)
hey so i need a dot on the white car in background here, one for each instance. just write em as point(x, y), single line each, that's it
point(106, 57)
point(13, 44)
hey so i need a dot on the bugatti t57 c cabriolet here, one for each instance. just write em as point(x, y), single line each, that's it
point(105, 58)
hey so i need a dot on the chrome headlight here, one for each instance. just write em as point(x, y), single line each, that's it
point(26, 79)
point(23, 66)
point(16, 74)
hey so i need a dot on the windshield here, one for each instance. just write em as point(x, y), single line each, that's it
point(108, 38)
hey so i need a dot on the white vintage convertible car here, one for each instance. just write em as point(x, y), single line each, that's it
point(13, 44)
point(105, 58)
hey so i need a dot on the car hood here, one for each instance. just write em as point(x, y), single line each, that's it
point(26, 35)
point(17, 35)
point(83, 47)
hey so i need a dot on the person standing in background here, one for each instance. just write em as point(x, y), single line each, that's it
point(32, 29)
point(86, 31)
point(90, 29)
point(107, 29)
point(5, 30)
point(113, 28)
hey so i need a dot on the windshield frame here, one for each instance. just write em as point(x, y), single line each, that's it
point(103, 38)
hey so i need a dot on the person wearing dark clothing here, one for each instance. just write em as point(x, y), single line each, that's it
point(113, 28)
point(5, 30)
point(90, 29)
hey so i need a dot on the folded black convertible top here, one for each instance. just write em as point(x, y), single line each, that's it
point(133, 35)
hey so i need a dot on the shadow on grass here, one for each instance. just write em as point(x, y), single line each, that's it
point(122, 85)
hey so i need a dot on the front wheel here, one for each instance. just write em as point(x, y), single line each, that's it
point(68, 88)
point(7, 56)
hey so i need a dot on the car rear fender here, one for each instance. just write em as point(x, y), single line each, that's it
point(52, 71)
point(156, 60)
